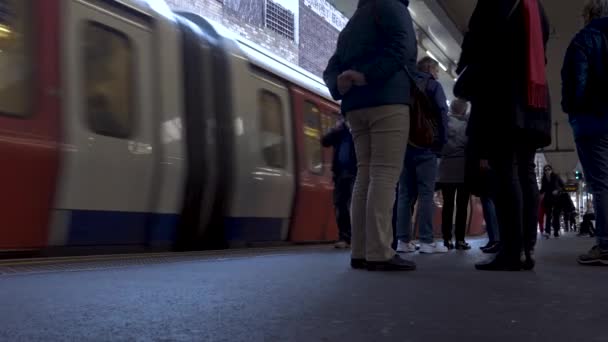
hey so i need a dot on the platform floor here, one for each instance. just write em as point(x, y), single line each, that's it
point(302, 294)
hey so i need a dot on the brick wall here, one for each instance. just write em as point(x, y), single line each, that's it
point(317, 40)
point(242, 17)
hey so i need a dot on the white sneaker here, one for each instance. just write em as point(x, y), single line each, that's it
point(432, 248)
point(403, 247)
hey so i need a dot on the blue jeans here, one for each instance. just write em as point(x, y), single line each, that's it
point(417, 182)
point(489, 215)
point(593, 154)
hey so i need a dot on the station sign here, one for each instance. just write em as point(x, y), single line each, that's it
point(571, 187)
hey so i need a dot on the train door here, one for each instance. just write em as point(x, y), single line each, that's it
point(110, 126)
point(313, 205)
point(29, 116)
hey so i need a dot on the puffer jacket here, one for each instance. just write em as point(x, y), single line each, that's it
point(584, 80)
point(452, 167)
point(378, 41)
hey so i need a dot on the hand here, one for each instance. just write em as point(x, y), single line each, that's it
point(555, 192)
point(345, 83)
point(484, 165)
point(357, 78)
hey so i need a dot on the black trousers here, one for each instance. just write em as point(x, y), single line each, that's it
point(460, 193)
point(343, 190)
point(552, 220)
point(517, 198)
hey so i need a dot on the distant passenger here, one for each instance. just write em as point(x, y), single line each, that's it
point(510, 119)
point(417, 181)
point(367, 72)
point(567, 210)
point(451, 178)
point(552, 186)
point(584, 76)
point(344, 168)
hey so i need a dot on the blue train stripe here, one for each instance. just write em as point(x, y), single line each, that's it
point(120, 228)
point(253, 229)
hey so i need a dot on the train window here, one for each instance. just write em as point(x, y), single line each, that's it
point(272, 129)
point(15, 57)
point(108, 80)
point(312, 138)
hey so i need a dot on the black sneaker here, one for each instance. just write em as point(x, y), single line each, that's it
point(449, 244)
point(462, 246)
point(488, 245)
point(500, 263)
point(394, 264)
point(493, 249)
point(358, 264)
point(595, 257)
point(529, 262)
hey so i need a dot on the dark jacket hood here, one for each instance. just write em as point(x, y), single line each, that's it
point(365, 2)
point(600, 25)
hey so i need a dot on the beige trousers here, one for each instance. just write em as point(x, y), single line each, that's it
point(380, 135)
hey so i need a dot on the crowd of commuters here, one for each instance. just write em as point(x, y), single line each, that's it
point(375, 74)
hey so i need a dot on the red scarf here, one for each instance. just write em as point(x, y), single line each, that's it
point(536, 76)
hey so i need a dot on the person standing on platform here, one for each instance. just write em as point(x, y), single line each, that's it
point(417, 182)
point(452, 180)
point(510, 119)
point(552, 185)
point(344, 168)
point(368, 73)
point(584, 76)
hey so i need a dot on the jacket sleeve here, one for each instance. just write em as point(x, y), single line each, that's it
point(574, 78)
point(332, 137)
point(442, 106)
point(394, 24)
point(330, 76)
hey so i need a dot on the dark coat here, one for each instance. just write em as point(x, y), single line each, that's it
point(378, 41)
point(435, 92)
point(338, 138)
point(554, 183)
point(499, 108)
point(584, 80)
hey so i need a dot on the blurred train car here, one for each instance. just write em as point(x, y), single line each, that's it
point(125, 124)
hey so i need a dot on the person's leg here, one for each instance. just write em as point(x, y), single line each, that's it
point(530, 196)
point(593, 154)
point(426, 174)
point(530, 200)
point(463, 198)
point(509, 212)
point(342, 199)
point(548, 217)
point(407, 192)
point(489, 214)
point(362, 141)
point(389, 127)
point(556, 219)
point(447, 214)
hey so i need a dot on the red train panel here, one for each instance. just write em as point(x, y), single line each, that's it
point(313, 215)
point(29, 140)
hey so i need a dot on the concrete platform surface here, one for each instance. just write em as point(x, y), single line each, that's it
point(305, 294)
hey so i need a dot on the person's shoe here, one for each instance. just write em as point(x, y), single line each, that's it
point(546, 236)
point(493, 249)
point(529, 261)
point(432, 248)
point(358, 264)
point(342, 245)
point(595, 257)
point(448, 244)
point(488, 245)
point(462, 246)
point(396, 263)
point(500, 263)
point(406, 247)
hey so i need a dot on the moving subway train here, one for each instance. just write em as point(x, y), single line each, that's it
point(124, 124)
